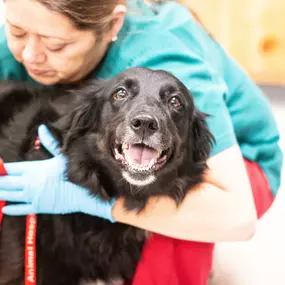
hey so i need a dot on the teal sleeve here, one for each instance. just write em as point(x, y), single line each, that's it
point(207, 87)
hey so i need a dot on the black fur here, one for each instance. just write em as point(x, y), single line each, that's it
point(87, 121)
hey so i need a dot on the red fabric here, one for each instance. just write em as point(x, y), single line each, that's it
point(2, 203)
point(167, 261)
point(30, 250)
point(30, 239)
point(262, 194)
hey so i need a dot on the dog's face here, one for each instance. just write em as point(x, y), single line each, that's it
point(146, 125)
point(152, 112)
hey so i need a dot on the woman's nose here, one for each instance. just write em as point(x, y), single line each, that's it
point(32, 52)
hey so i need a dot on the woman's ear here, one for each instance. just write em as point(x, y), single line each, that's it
point(118, 21)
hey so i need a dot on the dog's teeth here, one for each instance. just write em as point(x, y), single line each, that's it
point(152, 163)
point(139, 168)
point(118, 156)
point(128, 159)
point(163, 158)
point(125, 146)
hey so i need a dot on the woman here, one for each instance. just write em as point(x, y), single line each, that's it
point(62, 41)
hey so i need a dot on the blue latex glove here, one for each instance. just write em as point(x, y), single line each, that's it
point(41, 187)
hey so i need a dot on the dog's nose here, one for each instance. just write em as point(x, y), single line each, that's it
point(144, 123)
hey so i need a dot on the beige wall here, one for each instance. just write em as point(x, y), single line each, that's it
point(1, 12)
point(253, 31)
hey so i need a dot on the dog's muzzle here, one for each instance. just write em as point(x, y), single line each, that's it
point(141, 151)
point(140, 157)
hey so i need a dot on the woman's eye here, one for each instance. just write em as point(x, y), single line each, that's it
point(120, 94)
point(175, 102)
point(59, 48)
point(18, 36)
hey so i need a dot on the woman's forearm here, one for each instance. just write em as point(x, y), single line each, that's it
point(207, 214)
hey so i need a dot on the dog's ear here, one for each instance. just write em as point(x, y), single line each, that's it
point(83, 117)
point(202, 137)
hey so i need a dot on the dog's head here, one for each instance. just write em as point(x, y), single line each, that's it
point(143, 123)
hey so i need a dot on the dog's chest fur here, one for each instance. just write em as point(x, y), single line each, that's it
point(71, 249)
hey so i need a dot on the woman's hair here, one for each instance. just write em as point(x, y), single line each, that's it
point(97, 14)
point(86, 14)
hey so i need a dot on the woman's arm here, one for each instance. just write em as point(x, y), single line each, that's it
point(222, 209)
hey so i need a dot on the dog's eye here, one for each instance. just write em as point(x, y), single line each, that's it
point(175, 102)
point(120, 94)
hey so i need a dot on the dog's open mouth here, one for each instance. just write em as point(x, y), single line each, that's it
point(140, 157)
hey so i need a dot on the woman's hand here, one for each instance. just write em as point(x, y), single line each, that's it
point(41, 187)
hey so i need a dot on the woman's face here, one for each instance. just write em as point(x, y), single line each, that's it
point(48, 45)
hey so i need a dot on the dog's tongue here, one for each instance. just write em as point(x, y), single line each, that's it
point(141, 154)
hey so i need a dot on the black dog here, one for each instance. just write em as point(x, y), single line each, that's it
point(135, 136)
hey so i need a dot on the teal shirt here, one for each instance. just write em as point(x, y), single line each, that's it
point(172, 40)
